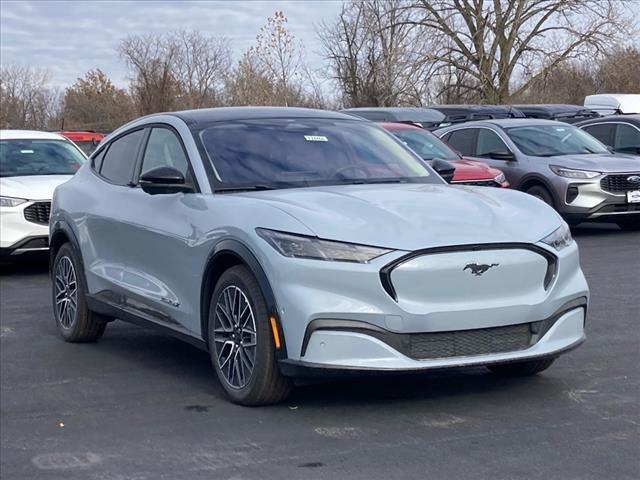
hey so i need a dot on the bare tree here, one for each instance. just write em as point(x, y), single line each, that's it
point(200, 68)
point(26, 100)
point(250, 83)
point(280, 56)
point(94, 102)
point(151, 59)
point(274, 71)
point(375, 54)
point(505, 46)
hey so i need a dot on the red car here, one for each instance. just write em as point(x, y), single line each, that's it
point(87, 140)
point(428, 146)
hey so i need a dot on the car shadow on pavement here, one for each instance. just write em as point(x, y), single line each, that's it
point(26, 264)
point(597, 229)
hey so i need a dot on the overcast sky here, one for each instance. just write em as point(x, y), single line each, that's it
point(70, 37)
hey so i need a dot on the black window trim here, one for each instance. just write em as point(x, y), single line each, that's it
point(106, 151)
point(138, 168)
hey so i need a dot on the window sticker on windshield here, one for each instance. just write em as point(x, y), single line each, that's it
point(316, 138)
point(26, 151)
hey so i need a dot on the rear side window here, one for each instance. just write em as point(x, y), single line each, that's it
point(489, 142)
point(627, 139)
point(601, 132)
point(463, 141)
point(120, 160)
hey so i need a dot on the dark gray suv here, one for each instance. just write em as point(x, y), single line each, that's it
point(558, 163)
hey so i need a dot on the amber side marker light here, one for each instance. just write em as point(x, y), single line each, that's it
point(274, 329)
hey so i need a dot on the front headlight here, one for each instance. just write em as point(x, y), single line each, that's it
point(500, 178)
point(11, 201)
point(301, 246)
point(559, 238)
point(571, 173)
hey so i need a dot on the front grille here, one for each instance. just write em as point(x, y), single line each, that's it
point(619, 183)
point(467, 343)
point(478, 183)
point(38, 213)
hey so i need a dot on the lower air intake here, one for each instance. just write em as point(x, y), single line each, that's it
point(470, 342)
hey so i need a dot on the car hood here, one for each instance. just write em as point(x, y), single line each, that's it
point(471, 170)
point(31, 187)
point(411, 217)
point(598, 163)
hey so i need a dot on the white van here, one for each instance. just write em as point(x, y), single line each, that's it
point(613, 103)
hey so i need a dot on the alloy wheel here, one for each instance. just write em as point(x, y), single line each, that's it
point(234, 336)
point(66, 288)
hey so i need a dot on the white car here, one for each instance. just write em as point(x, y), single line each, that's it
point(613, 103)
point(32, 165)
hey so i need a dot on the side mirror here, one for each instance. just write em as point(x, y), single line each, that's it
point(443, 168)
point(164, 180)
point(505, 155)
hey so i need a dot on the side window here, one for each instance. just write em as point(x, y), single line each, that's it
point(97, 160)
point(627, 139)
point(120, 159)
point(463, 141)
point(489, 142)
point(601, 132)
point(164, 150)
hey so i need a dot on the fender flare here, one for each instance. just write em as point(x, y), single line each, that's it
point(244, 256)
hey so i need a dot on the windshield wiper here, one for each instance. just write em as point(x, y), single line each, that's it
point(367, 181)
point(243, 188)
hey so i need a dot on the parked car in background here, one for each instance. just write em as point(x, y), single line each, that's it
point(613, 103)
point(422, 117)
point(430, 147)
point(561, 112)
point(32, 165)
point(87, 140)
point(469, 113)
point(294, 242)
point(621, 133)
point(561, 164)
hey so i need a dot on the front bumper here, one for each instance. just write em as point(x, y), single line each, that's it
point(17, 234)
point(331, 351)
point(587, 201)
point(446, 299)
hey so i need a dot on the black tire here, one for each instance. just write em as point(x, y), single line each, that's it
point(83, 325)
point(265, 384)
point(629, 225)
point(521, 369)
point(542, 193)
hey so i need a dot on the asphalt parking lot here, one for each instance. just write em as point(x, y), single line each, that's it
point(140, 405)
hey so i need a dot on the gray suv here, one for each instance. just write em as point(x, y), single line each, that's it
point(562, 165)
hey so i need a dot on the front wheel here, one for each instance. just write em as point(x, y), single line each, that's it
point(542, 193)
point(76, 323)
point(241, 343)
point(521, 369)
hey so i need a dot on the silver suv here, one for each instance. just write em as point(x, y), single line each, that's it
point(562, 165)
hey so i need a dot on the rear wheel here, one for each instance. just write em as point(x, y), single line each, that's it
point(76, 323)
point(521, 369)
point(240, 341)
point(630, 225)
point(542, 193)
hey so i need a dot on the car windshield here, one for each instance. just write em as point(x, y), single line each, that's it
point(552, 140)
point(38, 157)
point(296, 152)
point(425, 144)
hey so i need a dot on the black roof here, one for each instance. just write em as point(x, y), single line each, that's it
point(205, 115)
point(397, 114)
point(560, 111)
point(633, 119)
point(467, 113)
